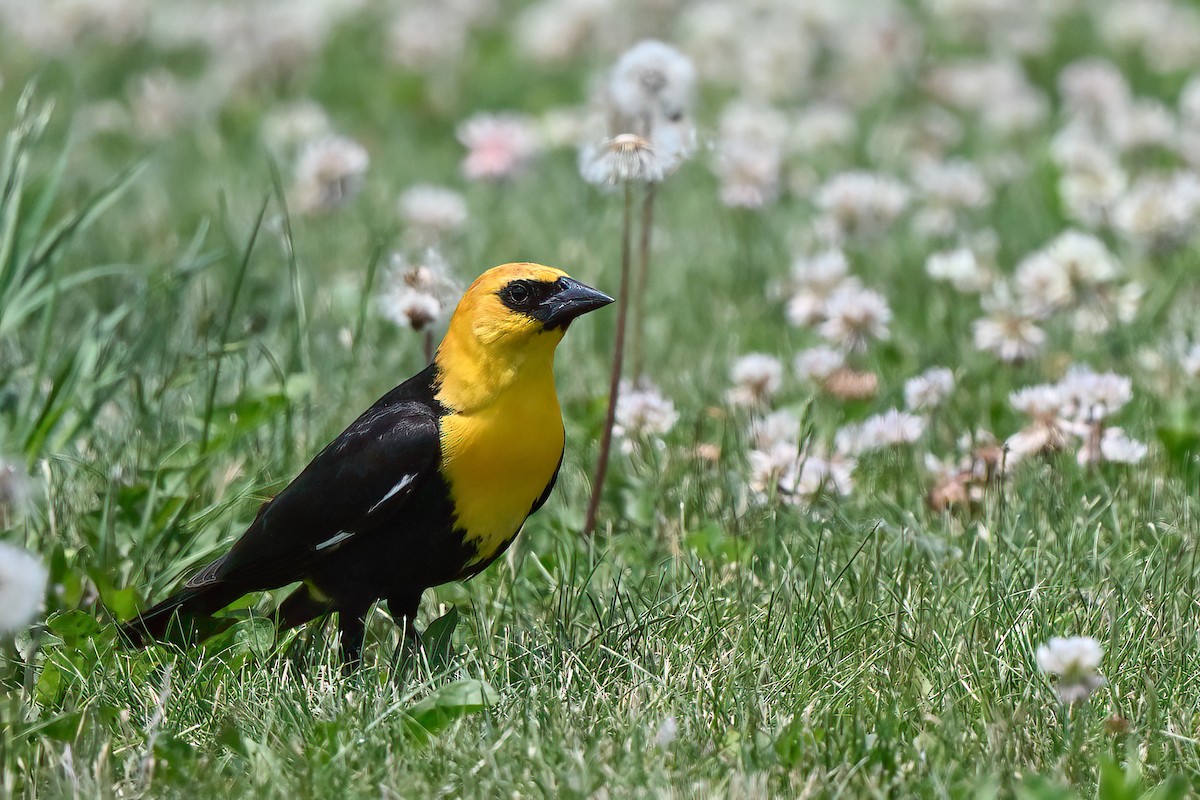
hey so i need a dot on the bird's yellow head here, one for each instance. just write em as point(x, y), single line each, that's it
point(510, 320)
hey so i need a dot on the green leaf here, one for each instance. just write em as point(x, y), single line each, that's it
point(73, 627)
point(450, 702)
point(439, 639)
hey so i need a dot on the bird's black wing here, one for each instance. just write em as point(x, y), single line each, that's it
point(361, 478)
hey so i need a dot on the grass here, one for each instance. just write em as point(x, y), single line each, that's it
point(172, 352)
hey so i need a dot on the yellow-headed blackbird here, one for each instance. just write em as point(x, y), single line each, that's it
point(431, 484)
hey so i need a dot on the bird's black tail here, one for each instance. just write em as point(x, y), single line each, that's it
point(191, 601)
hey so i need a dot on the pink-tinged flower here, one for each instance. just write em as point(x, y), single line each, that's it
point(498, 146)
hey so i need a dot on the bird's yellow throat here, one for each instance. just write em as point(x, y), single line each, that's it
point(503, 435)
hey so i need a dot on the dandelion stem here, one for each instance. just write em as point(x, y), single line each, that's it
point(639, 288)
point(614, 384)
point(428, 340)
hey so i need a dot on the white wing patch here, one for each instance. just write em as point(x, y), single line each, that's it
point(340, 537)
point(403, 482)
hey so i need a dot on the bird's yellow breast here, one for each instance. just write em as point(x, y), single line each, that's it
point(498, 460)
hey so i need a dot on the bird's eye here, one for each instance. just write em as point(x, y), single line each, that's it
point(518, 293)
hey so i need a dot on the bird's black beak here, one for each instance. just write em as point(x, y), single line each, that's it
point(570, 299)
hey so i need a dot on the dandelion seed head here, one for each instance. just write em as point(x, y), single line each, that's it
point(22, 587)
point(625, 157)
point(652, 80)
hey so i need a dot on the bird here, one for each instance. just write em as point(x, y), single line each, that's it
point(429, 485)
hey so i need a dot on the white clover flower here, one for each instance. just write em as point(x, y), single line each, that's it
point(329, 173)
point(822, 125)
point(1143, 123)
point(1009, 331)
point(1038, 401)
point(1190, 361)
point(643, 412)
point(417, 294)
point(1117, 447)
point(554, 31)
point(863, 201)
point(498, 145)
point(816, 364)
point(1092, 187)
point(960, 268)
point(652, 81)
point(854, 316)
point(1088, 396)
point(1159, 212)
point(1054, 276)
point(1093, 87)
point(810, 475)
point(425, 35)
point(160, 104)
point(667, 731)
point(769, 464)
point(996, 90)
point(821, 273)
point(774, 428)
point(748, 173)
point(430, 212)
point(892, 427)
point(1047, 430)
point(929, 389)
point(290, 125)
point(1074, 661)
point(22, 587)
point(16, 489)
point(813, 280)
point(756, 378)
point(749, 155)
point(952, 184)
